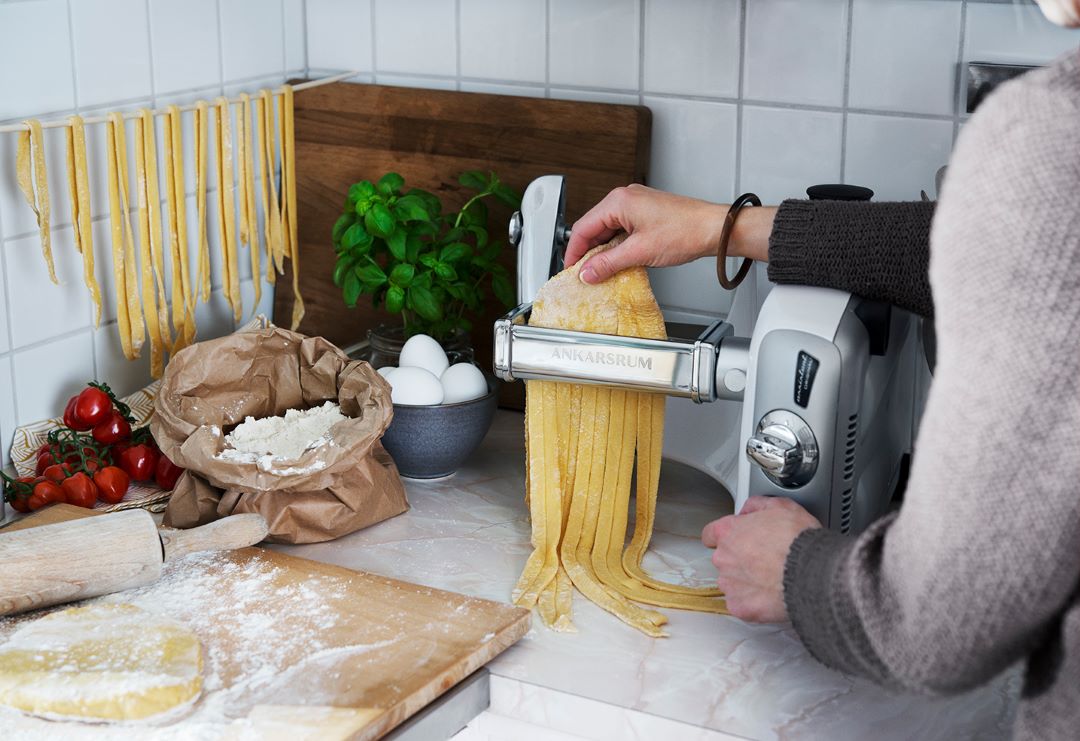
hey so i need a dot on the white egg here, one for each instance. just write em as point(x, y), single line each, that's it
point(421, 351)
point(386, 370)
point(463, 382)
point(415, 387)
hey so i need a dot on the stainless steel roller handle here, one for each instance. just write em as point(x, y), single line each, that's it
point(709, 368)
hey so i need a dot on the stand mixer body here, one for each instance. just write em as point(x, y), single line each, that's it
point(814, 404)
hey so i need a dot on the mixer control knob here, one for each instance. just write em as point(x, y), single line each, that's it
point(516, 224)
point(784, 448)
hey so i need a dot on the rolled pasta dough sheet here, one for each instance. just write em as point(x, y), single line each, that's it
point(102, 662)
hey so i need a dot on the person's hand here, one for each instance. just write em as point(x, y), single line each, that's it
point(663, 229)
point(751, 548)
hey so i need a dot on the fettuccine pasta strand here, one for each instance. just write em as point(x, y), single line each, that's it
point(79, 192)
point(31, 146)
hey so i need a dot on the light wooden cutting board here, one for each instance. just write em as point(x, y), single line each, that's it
point(435, 639)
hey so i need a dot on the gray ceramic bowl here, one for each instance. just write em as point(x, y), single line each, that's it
point(428, 442)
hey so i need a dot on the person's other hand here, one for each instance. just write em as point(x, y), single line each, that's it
point(751, 548)
point(663, 229)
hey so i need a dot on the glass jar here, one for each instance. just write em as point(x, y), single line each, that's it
point(385, 343)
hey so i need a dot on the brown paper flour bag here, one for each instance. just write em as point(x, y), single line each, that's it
point(334, 490)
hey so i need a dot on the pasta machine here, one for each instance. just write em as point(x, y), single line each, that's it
point(820, 391)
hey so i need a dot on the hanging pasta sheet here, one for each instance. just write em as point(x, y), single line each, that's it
point(34, 184)
point(79, 194)
point(129, 318)
point(582, 442)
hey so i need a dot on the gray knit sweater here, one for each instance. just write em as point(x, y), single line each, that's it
point(980, 568)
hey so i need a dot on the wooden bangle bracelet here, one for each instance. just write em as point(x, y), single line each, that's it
point(725, 236)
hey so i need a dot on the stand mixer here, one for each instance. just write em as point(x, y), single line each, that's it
point(822, 389)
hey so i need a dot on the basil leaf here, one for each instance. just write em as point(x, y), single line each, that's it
point(423, 301)
point(371, 275)
point(445, 271)
point(402, 275)
point(454, 251)
point(351, 289)
point(343, 222)
point(473, 179)
point(507, 195)
point(390, 183)
point(355, 236)
point(379, 221)
point(396, 243)
point(411, 208)
point(395, 299)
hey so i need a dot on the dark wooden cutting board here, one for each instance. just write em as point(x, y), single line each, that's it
point(349, 132)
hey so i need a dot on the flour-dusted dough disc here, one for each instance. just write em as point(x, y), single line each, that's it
point(101, 662)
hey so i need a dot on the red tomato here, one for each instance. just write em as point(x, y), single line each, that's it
point(92, 407)
point(46, 456)
point(47, 492)
point(139, 462)
point(166, 473)
point(79, 490)
point(57, 472)
point(71, 417)
point(92, 465)
point(112, 484)
point(17, 493)
point(112, 430)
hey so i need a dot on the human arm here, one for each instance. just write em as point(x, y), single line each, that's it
point(875, 250)
point(975, 569)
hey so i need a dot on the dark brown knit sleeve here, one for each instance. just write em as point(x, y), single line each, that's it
point(878, 251)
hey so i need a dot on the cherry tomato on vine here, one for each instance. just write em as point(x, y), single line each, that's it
point(112, 483)
point(139, 462)
point(92, 407)
point(79, 490)
point(47, 492)
point(166, 473)
point(71, 417)
point(112, 430)
point(46, 456)
point(57, 472)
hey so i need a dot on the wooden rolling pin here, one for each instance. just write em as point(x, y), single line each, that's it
point(68, 561)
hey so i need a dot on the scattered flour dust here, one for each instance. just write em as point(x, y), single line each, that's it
point(260, 637)
point(281, 439)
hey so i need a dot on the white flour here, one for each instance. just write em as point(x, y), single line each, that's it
point(286, 438)
point(261, 635)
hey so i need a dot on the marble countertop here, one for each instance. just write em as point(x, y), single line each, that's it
point(469, 533)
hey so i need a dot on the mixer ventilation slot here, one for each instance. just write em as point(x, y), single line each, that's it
point(847, 499)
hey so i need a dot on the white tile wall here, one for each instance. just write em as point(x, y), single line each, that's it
point(795, 51)
point(504, 40)
point(595, 43)
point(786, 149)
point(692, 47)
point(903, 55)
point(764, 95)
point(113, 55)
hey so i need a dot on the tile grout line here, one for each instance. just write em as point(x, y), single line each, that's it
point(74, 66)
point(457, 44)
point(10, 337)
point(284, 46)
point(221, 50)
point(641, 52)
point(304, 30)
point(845, 110)
point(374, 55)
point(737, 184)
point(958, 101)
point(547, 48)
